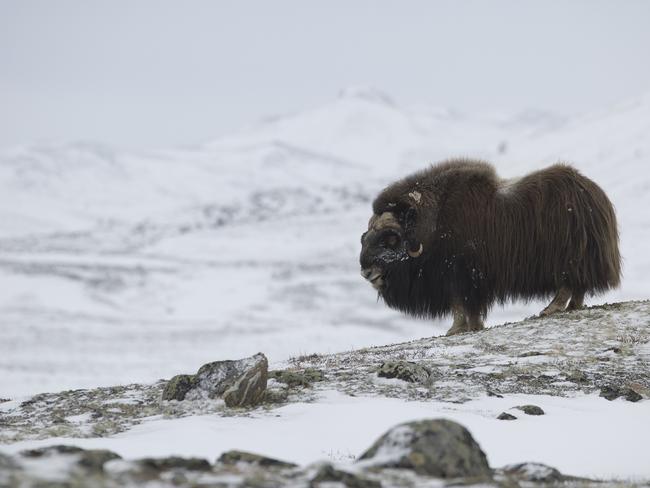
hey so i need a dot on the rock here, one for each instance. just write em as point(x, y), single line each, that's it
point(248, 390)
point(612, 392)
point(328, 474)
point(492, 393)
point(631, 395)
point(640, 389)
point(234, 457)
point(177, 387)
point(240, 383)
point(535, 472)
point(530, 409)
point(175, 462)
point(50, 451)
point(297, 378)
point(276, 396)
point(439, 448)
point(403, 370)
point(506, 416)
point(93, 460)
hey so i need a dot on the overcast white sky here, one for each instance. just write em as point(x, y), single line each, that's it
point(158, 73)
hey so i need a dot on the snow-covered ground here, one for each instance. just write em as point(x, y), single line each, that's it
point(119, 268)
point(581, 436)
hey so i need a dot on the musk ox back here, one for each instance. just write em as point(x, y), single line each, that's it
point(455, 239)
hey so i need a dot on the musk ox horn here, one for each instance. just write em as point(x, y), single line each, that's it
point(416, 254)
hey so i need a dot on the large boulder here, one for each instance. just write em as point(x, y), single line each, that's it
point(241, 383)
point(438, 447)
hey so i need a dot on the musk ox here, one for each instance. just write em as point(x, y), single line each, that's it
point(455, 239)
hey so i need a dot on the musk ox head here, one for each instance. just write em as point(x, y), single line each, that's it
point(389, 241)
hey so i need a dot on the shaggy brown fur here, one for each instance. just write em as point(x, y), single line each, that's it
point(455, 239)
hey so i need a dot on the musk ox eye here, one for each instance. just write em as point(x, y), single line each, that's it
point(392, 240)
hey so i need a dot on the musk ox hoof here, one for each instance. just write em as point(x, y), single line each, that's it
point(457, 330)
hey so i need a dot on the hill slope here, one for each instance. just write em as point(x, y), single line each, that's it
point(589, 371)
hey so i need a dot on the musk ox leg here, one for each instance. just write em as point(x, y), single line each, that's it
point(460, 322)
point(559, 302)
point(475, 322)
point(577, 300)
point(464, 322)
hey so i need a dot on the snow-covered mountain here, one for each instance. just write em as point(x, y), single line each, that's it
point(123, 267)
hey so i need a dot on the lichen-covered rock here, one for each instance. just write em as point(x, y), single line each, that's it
point(248, 389)
point(241, 383)
point(297, 378)
point(328, 474)
point(178, 386)
point(234, 457)
point(439, 448)
point(506, 416)
point(403, 370)
point(530, 409)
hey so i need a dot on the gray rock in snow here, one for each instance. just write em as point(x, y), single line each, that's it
point(530, 409)
point(506, 416)
point(439, 448)
point(241, 383)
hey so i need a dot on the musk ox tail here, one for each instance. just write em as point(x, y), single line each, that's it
point(597, 236)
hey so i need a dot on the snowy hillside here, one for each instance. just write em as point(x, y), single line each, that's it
point(570, 391)
point(131, 267)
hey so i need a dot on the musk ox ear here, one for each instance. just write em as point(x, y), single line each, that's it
point(414, 246)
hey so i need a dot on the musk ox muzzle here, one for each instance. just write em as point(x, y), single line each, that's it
point(385, 242)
